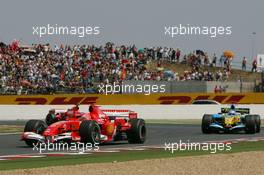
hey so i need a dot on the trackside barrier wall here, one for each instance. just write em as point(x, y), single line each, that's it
point(25, 112)
point(135, 99)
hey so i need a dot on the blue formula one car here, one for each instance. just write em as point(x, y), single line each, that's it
point(231, 120)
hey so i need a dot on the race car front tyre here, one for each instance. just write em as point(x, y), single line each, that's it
point(90, 132)
point(37, 126)
point(137, 132)
point(206, 122)
point(250, 123)
point(258, 123)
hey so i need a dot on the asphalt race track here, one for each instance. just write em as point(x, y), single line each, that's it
point(157, 134)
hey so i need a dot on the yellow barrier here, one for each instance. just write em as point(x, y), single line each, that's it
point(123, 99)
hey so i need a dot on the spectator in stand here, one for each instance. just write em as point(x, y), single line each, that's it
point(244, 64)
point(219, 89)
point(221, 60)
point(178, 54)
point(173, 55)
point(216, 89)
point(214, 60)
point(254, 66)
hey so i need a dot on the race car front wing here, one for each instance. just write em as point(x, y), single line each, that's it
point(216, 126)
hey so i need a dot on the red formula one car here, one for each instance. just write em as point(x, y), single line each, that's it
point(95, 126)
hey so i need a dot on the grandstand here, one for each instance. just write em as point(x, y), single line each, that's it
point(41, 69)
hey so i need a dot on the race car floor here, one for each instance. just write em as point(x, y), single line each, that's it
point(157, 135)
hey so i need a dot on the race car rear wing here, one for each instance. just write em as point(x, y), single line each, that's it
point(120, 113)
point(239, 110)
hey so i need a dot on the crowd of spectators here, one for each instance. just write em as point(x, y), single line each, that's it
point(80, 68)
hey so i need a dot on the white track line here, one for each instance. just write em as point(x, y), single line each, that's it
point(22, 156)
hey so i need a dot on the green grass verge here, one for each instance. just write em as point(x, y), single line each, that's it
point(118, 157)
point(11, 128)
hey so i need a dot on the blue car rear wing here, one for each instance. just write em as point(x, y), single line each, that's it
point(240, 110)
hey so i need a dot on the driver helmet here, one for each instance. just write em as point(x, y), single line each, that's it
point(232, 112)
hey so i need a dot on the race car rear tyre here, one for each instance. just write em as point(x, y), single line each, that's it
point(37, 126)
point(90, 132)
point(137, 132)
point(250, 123)
point(258, 123)
point(206, 122)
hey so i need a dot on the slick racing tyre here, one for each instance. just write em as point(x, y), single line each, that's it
point(137, 132)
point(258, 123)
point(250, 123)
point(37, 126)
point(206, 122)
point(90, 132)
